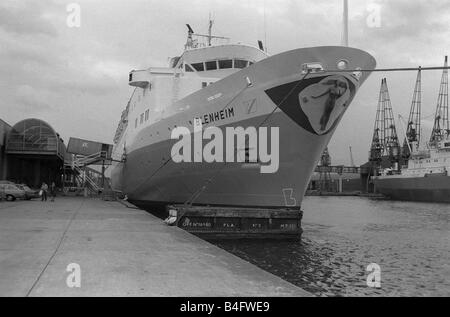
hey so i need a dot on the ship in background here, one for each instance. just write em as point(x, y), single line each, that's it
point(426, 176)
point(233, 85)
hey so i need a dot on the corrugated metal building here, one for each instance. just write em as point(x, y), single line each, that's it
point(5, 128)
point(35, 153)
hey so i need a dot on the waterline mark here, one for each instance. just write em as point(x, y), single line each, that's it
point(240, 145)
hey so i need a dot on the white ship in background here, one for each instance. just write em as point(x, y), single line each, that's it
point(233, 85)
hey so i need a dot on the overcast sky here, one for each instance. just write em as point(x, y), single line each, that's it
point(76, 78)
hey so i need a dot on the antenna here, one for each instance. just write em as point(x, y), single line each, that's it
point(345, 25)
point(265, 26)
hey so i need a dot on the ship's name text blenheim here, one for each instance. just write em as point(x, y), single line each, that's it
point(215, 116)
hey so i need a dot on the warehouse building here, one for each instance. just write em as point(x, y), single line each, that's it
point(34, 154)
point(5, 128)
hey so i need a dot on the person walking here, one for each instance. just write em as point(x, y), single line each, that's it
point(53, 191)
point(44, 189)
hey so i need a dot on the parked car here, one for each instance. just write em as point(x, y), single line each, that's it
point(11, 192)
point(29, 193)
point(6, 182)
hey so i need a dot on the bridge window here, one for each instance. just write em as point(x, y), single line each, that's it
point(240, 63)
point(220, 64)
point(200, 67)
point(142, 118)
point(188, 68)
point(211, 65)
point(146, 114)
point(223, 64)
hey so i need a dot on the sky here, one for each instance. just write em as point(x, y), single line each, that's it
point(76, 78)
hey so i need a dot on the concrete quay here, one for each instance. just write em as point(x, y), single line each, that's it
point(120, 252)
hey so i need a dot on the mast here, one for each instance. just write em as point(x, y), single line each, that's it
point(210, 26)
point(413, 130)
point(441, 128)
point(195, 40)
point(345, 24)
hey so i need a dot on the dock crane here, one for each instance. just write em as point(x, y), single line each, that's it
point(441, 128)
point(392, 145)
point(324, 171)
point(352, 161)
point(376, 148)
point(413, 129)
point(385, 144)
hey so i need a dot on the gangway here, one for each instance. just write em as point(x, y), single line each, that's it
point(84, 155)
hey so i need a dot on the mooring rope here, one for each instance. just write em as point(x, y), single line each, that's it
point(399, 69)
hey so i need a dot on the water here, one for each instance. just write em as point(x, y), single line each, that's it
point(343, 235)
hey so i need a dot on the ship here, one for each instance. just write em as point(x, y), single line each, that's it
point(299, 96)
point(426, 176)
point(425, 179)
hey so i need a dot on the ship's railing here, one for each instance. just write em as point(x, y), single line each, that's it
point(200, 41)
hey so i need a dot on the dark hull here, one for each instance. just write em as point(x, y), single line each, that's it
point(425, 189)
